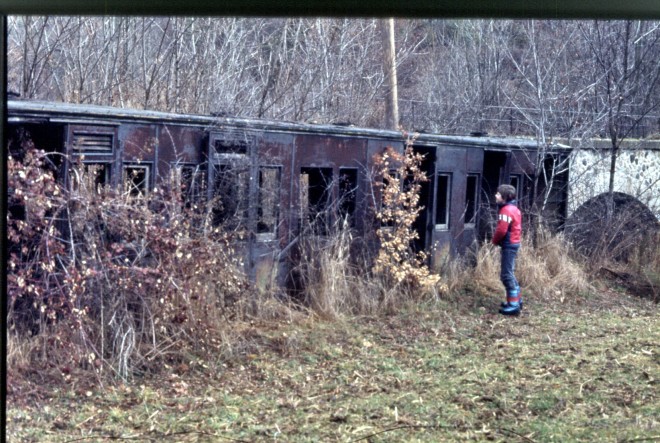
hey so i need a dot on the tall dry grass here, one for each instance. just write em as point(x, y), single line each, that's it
point(546, 271)
point(332, 271)
point(335, 275)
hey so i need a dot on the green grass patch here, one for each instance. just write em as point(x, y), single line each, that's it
point(582, 372)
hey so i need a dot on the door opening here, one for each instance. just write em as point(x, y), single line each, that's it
point(494, 173)
point(424, 222)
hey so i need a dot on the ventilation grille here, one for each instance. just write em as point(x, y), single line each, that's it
point(92, 143)
point(232, 143)
point(231, 147)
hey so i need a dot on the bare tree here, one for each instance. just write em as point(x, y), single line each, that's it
point(625, 67)
point(453, 76)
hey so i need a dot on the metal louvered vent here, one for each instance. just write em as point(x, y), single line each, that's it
point(231, 147)
point(92, 143)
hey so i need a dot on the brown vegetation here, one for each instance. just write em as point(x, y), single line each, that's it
point(120, 285)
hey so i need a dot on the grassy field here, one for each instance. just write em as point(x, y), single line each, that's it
point(586, 370)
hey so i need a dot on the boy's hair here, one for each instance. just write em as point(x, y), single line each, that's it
point(507, 192)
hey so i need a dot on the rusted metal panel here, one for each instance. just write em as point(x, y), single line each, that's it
point(475, 160)
point(333, 153)
point(315, 150)
point(280, 171)
point(92, 141)
point(458, 169)
point(522, 161)
point(138, 142)
point(276, 150)
point(180, 144)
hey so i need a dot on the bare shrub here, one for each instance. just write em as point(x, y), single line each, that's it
point(606, 229)
point(115, 281)
point(618, 238)
point(639, 273)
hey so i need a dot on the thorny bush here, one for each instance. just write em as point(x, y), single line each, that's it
point(114, 281)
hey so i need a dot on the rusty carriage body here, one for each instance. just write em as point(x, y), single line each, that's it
point(273, 177)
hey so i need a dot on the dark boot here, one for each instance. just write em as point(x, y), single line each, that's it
point(512, 305)
point(511, 309)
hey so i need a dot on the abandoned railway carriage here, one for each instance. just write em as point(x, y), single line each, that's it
point(272, 176)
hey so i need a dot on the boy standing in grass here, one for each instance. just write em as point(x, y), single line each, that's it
point(507, 235)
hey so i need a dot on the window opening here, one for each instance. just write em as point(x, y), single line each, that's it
point(471, 200)
point(231, 147)
point(315, 194)
point(136, 180)
point(189, 180)
point(555, 177)
point(515, 180)
point(393, 176)
point(269, 201)
point(95, 176)
point(230, 196)
point(442, 201)
point(348, 182)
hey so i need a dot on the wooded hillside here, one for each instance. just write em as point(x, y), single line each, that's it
point(540, 78)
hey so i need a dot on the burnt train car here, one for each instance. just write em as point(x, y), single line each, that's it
point(273, 176)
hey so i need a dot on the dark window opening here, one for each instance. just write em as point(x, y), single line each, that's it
point(269, 199)
point(99, 175)
point(493, 173)
point(494, 168)
point(515, 180)
point(554, 189)
point(136, 180)
point(348, 182)
point(231, 186)
point(392, 177)
point(189, 180)
point(315, 196)
point(423, 222)
point(471, 200)
point(91, 143)
point(442, 201)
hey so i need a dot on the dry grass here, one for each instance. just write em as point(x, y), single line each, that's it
point(549, 269)
point(546, 271)
point(20, 349)
point(639, 273)
point(326, 273)
point(334, 274)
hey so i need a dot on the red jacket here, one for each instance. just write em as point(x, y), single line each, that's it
point(509, 225)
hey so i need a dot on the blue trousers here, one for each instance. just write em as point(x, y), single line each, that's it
point(509, 253)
